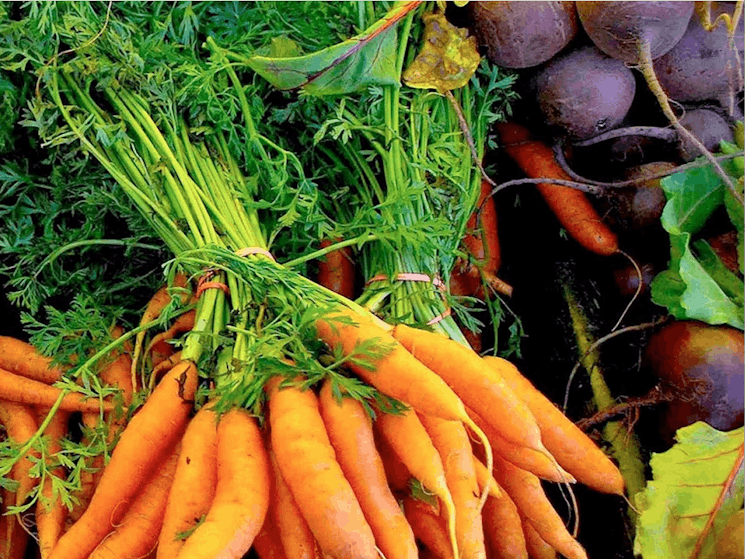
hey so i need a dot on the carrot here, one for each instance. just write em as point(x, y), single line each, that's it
point(15, 546)
point(537, 546)
point(295, 535)
point(482, 242)
point(396, 472)
point(571, 207)
point(30, 392)
point(484, 477)
point(525, 490)
point(194, 482)
point(166, 365)
point(51, 512)
point(350, 431)
point(573, 449)
point(308, 465)
point(22, 359)
point(503, 529)
point(541, 464)
point(412, 444)
point(428, 526)
point(336, 270)
point(159, 348)
point(145, 442)
point(137, 533)
point(241, 498)
point(465, 372)
point(267, 543)
point(452, 443)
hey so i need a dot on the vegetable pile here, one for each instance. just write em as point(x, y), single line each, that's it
point(265, 308)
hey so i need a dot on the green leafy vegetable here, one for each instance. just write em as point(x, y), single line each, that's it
point(697, 487)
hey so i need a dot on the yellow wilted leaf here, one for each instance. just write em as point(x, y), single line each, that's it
point(448, 58)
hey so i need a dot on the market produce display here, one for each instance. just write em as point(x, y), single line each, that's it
point(268, 297)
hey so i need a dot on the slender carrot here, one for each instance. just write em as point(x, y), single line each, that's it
point(537, 546)
point(145, 442)
point(137, 533)
point(428, 526)
point(194, 482)
point(573, 449)
point(484, 477)
point(267, 543)
point(159, 348)
point(396, 472)
point(30, 392)
point(571, 207)
point(452, 443)
point(541, 464)
point(22, 359)
point(350, 431)
point(308, 465)
point(482, 241)
point(503, 529)
point(336, 270)
point(295, 535)
point(465, 372)
point(412, 444)
point(241, 501)
point(51, 512)
point(525, 490)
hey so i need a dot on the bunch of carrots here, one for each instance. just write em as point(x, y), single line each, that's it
point(317, 475)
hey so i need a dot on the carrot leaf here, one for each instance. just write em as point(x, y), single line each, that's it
point(697, 487)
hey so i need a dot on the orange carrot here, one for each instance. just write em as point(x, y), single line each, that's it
point(452, 443)
point(51, 512)
point(145, 442)
point(396, 472)
point(166, 365)
point(20, 425)
point(24, 390)
point(308, 465)
point(350, 431)
point(465, 372)
point(537, 546)
point(241, 498)
point(484, 476)
point(571, 207)
point(336, 270)
point(16, 546)
point(137, 533)
point(541, 464)
point(22, 359)
point(295, 535)
point(412, 444)
point(267, 543)
point(159, 348)
point(573, 450)
point(428, 526)
point(194, 482)
point(525, 490)
point(503, 529)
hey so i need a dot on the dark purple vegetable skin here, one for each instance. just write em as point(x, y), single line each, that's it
point(616, 28)
point(523, 34)
point(701, 367)
point(703, 66)
point(708, 127)
point(584, 92)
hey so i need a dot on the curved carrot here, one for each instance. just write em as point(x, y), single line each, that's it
point(194, 482)
point(537, 546)
point(50, 511)
point(22, 359)
point(350, 431)
point(503, 529)
point(336, 270)
point(296, 537)
point(137, 533)
point(24, 390)
point(525, 490)
point(572, 448)
point(159, 348)
point(143, 444)
point(571, 207)
point(309, 466)
point(454, 447)
point(464, 371)
point(241, 498)
point(412, 444)
point(428, 527)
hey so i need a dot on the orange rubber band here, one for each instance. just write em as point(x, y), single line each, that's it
point(414, 276)
point(203, 284)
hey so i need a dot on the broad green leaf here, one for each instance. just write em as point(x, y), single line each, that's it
point(352, 65)
point(729, 282)
point(697, 486)
point(692, 197)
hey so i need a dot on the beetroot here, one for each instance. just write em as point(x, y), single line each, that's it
point(708, 127)
point(584, 92)
point(523, 34)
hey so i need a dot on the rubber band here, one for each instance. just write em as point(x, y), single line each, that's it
point(247, 251)
point(415, 276)
point(203, 284)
